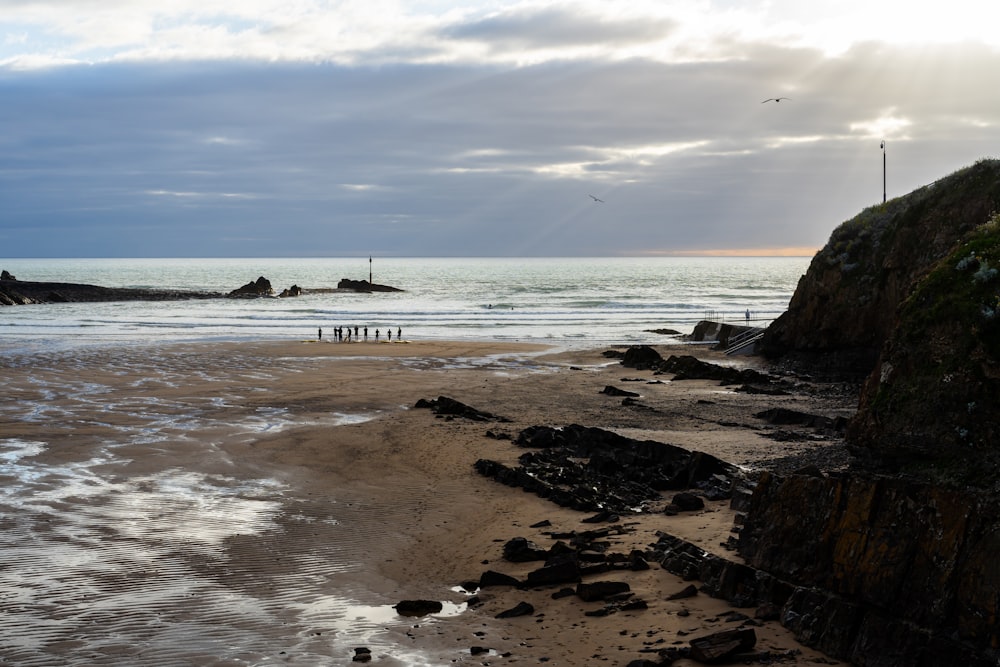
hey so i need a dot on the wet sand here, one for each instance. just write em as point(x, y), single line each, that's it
point(268, 503)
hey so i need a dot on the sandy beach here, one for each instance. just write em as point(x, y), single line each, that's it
point(268, 503)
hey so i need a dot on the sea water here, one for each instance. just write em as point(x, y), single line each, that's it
point(106, 563)
point(559, 300)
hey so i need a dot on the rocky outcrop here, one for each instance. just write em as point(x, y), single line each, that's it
point(845, 306)
point(21, 292)
point(253, 289)
point(591, 469)
point(880, 571)
point(364, 286)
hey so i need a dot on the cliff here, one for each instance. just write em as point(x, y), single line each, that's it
point(845, 306)
point(894, 563)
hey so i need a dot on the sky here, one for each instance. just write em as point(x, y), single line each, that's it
point(430, 128)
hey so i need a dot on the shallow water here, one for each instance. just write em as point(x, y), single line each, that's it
point(129, 536)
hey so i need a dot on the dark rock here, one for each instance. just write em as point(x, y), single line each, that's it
point(520, 609)
point(418, 607)
point(688, 502)
point(478, 650)
point(294, 290)
point(722, 645)
point(20, 292)
point(443, 405)
point(258, 288)
point(615, 391)
point(563, 593)
point(544, 523)
point(562, 569)
point(641, 357)
point(520, 550)
point(493, 578)
point(599, 590)
point(362, 655)
point(688, 591)
point(4, 275)
point(364, 286)
point(686, 367)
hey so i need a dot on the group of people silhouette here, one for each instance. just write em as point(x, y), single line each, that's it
point(344, 334)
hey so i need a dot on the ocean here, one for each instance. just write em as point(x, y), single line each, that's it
point(566, 301)
point(133, 534)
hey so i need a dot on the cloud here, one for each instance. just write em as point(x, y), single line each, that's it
point(466, 130)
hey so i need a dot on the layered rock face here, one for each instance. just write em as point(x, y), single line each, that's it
point(844, 307)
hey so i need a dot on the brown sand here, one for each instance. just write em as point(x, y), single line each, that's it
point(267, 503)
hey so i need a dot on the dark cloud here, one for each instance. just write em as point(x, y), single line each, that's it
point(262, 159)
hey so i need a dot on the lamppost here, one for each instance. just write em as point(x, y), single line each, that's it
point(883, 171)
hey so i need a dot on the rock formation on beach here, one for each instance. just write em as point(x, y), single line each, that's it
point(900, 551)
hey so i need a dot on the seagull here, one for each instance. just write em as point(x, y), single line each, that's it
point(596, 199)
point(775, 99)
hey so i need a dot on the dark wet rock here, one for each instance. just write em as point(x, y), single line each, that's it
point(642, 357)
point(294, 290)
point(615, 391)
point(687, 502)
point(5, 275)
point(521, 550)
point(600, 590)
point(722, 645)
point(786, 417)
point(478, 650)
point(418, 607)
point(688, 591)
point(593, 470)
point(686, 367)
point(21, 292)
point(364, 286)
point(493, 578)
point(445, 406)
point(613, 354)
point(563, 593)
point(561, 569)
point(362, 655)
point(258, 288)
point(544, 523)
point(520, 609)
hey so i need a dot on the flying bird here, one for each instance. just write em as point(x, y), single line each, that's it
point(596, 199)
point(775, 99)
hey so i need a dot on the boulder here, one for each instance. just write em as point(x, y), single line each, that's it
point(5, 275)
point(520, 609)
point(257, 288)
point(418, 607)
point(520, 550)
point(600, 590)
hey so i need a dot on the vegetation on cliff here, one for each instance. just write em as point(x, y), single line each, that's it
point(933, 405)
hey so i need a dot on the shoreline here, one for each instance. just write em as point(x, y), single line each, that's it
point(352, 501)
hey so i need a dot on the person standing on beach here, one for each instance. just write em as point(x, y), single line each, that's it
point(376, 335)
point(319, 336)
point(399, 334)
point(388, 332)
point(366, 333)
point(748, 315)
